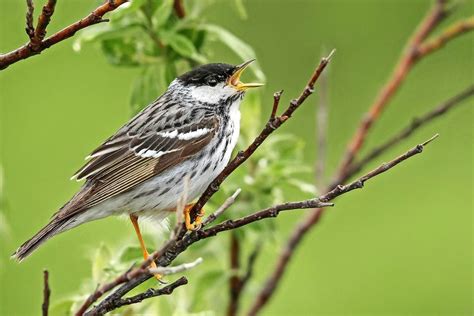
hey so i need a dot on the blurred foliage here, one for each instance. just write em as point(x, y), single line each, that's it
point(147, 34)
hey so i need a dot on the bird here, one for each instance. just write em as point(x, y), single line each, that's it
point(186, 134)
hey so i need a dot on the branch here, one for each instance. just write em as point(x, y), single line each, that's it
point(37, 42)
point(179, 8)
point(455, 30)
point(237, 283)
point(175, 247)
point(150, 293)
point(273, 281)
point(406, 62)
point(234, 280)
point(415, 124)
point(46, 293)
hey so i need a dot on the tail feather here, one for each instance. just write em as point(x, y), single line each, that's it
point(54, 227)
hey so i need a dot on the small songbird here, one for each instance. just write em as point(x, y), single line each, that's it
point(187, 133)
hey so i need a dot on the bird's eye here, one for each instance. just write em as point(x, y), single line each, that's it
point(212, 82)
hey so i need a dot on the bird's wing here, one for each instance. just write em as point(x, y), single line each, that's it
point(140, 150)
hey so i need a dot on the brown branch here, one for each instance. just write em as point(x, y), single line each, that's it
point(234, 280)
point(175, 247)
point(39, 44)
point(415, 124)
point(30, 30)
point(273, 280)
point(179, 8)
point(414, 52)
point(455, 30)
point(237, 283)
point(46, 293)
point(171, 250)
point(406, 62)
point(150, 293)
point(43, 21)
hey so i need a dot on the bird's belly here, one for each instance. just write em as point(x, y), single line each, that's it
point(162, 192)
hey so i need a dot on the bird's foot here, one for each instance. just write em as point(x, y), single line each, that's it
point(187, 218)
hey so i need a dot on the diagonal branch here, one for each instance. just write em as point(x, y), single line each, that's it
point(173, 248)
point(37, 42)
point(415, 124)
point(150, 293)
point(455, 30)
point(406, 62)
point(272, 282)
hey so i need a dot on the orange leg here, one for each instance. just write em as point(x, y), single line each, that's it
point(187, 218)
point(134, 220)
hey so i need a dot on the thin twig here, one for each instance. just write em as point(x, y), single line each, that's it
point(227, 203)
point(46, 293)
point(33, 48)
point(415, 124)
point(43, 21)
point(179, 8)
point(406, 62)
point(150, 293)
point(30, 29)
point(176, 269)
point(455, 30)
point(272, 282)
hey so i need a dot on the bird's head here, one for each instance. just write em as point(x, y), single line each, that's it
point(214, 83)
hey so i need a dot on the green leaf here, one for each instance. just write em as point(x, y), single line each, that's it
point(121, 51)
point(239, 47)
point(61, 308)
point(239, 5)
point(162, 13)
point(251, 113)
point(100, 261)
point(147, 87)
point(182, 45)
point(131, 253)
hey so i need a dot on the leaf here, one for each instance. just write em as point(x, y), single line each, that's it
point(100, 261)
point(239, 5)
point(303, 186)
point(182, 45)
point(147, 87)
point(131, 253)
point(162, 13)
point(61, 308)
point(251, 114)
point(242, 49)
point(121, 51)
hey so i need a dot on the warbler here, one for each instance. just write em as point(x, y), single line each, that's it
point(189, 132)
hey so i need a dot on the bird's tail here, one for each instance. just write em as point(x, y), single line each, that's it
point(54, 227)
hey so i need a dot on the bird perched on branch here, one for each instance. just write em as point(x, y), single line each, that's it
point(187, 133)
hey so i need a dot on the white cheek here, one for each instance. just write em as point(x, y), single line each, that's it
point(212, 94)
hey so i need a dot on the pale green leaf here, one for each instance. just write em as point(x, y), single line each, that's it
point(162, 13)
point(239, 47)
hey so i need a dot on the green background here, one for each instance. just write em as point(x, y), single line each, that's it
point(401, 246)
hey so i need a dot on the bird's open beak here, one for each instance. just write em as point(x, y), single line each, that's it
point(234, 80)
